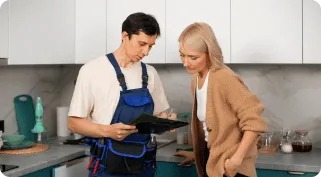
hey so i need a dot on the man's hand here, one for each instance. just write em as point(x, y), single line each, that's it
point(170, 116)
point(119, 131)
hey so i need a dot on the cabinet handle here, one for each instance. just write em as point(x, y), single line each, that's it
point(186, 165)
point(73, 162)
point(296, 173)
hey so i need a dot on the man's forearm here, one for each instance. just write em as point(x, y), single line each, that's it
point(86, 127)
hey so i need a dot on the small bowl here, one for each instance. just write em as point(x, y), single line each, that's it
point(13, 140)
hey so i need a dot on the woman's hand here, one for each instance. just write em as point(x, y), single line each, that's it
point(231, 166)
point(189, 156)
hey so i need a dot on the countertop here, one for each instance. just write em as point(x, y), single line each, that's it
point(302, 162)
point(298, 162)
point(32, 162)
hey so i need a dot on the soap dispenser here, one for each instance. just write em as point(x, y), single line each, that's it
point(39, 128)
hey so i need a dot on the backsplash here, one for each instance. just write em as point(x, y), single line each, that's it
point(44, 81)
point(291, 93)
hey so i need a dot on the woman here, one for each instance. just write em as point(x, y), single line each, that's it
point(226, 116)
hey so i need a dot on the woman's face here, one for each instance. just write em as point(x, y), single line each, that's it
point(193, 61)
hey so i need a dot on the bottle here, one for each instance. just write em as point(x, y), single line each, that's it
point(301, 142)
point(152, 143)
point(182, 133)
point(151, 151)
point(39, 128)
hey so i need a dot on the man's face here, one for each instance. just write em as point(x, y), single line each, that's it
point(138, 46)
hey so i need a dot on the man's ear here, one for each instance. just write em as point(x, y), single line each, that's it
point(124, 36)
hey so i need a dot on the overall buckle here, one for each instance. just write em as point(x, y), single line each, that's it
point(121, 79)
point(145, 79)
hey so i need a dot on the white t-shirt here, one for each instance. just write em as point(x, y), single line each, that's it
point(201, 95)
point(98, 89)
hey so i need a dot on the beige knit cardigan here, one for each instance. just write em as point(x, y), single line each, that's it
point(231, 109)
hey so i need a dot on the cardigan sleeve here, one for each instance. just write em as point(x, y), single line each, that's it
point(243, 102)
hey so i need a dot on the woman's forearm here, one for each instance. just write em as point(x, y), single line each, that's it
point(248, 139)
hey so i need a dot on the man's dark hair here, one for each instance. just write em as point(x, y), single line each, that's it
point(141, 22)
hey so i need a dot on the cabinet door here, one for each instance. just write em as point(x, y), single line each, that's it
point(117, 12)
point(276, 173)
point(76, 168)
point(311, 32)
point(172, 169)
point(90, 29)
point(4, 30)
point(266, 31)
point(46, 172)
point(42, 32)
point(181, 13)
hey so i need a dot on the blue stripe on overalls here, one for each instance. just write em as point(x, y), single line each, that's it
point(131, 104)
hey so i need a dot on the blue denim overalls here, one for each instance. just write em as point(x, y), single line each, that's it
point(131, 157)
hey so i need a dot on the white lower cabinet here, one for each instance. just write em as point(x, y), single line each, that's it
point(77, 168)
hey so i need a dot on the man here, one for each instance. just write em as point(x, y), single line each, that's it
point(111, 91)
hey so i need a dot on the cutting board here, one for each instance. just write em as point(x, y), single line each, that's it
point(25, 115)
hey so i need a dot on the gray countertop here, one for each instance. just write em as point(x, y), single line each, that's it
point(32, 162)
point(294, 162)
point(302, 162)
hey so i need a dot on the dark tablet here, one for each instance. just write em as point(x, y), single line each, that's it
point(147, 124)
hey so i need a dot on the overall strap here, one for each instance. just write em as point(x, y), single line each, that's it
point(144, 75)
point(120, 75)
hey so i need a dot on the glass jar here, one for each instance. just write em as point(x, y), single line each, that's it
point(286, 144)
point(301, 141)
point(266, 140)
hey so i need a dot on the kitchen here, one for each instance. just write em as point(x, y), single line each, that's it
point(277, 56)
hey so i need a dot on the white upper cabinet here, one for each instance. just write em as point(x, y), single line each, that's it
point(181, 13)
point(42, 32)
point(117, 12)
point(90, 29)
point(266, 31)
point(4, 30)
point(311, 32)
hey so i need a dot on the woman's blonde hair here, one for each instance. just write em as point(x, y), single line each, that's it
point(200, 37)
